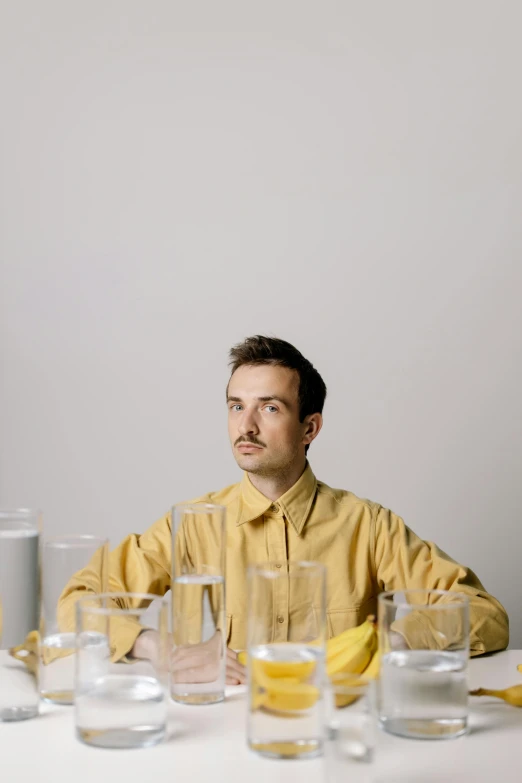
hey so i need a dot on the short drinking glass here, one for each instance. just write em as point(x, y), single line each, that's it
point(121, 702)
point(424, 643)
point(198, 604)
point(286, 659)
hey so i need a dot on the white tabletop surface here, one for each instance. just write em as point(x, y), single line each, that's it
point(208, 744)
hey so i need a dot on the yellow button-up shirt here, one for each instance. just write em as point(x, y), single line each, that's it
point(365, 548)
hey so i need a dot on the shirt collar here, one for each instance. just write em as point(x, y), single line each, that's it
point(295, 504)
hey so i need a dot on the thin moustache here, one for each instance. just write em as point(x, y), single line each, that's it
point(249, 442)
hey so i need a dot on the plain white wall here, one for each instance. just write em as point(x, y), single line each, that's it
point(346, 175)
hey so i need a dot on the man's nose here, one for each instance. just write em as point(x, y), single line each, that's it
point(248, 424)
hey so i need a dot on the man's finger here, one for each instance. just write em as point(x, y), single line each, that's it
point(235, 671)
point(233, 681)
point(236, 666)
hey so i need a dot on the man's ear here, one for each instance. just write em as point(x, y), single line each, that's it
point(313, 424)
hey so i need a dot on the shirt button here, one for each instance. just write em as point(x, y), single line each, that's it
point(278, 565)
point(280, 619)
point(274, 507)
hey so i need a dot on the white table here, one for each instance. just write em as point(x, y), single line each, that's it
point(208, 743)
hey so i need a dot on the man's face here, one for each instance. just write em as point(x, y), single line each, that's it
point(263, 419)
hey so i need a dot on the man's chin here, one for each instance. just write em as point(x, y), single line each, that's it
point(249, 462)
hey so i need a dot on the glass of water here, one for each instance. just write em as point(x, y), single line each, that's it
point(121, 703)
point(62, 558)
point(424, 642)
point(286, 659)
point(19, 610)
point(351, 723)
point(198, 660)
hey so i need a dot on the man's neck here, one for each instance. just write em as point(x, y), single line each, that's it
point(272, 487)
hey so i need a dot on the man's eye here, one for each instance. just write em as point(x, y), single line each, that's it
point(271, 408)
point(235, 407)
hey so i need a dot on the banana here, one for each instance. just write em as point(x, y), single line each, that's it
point(511, 695)
point(285, 686)
point(356, 657)
point(300, 671)
point(284, 692)
point(28, 651)
point(347, 679)
point(374, 667)
point(345, 639)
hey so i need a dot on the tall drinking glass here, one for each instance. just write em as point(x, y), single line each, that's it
point(198, 659)
point(424, 643)
point(286, 658)
point(19, 608)
point(62, 558)
point(120, 703)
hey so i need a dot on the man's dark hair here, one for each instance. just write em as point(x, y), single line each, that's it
point(271, 350)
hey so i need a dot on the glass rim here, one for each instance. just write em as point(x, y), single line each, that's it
point(80, 541)
point(200, 508)
point(24, 513)
point(82, 604)
point(387, 598)
point(271, 567)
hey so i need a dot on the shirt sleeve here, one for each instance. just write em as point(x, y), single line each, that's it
point(404, 561)
point(140, 564)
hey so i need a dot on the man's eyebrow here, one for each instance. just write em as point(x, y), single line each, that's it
point(268, 398)
point(273, 397)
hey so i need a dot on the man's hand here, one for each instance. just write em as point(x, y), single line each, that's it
point(193, 662)
point(236, 672)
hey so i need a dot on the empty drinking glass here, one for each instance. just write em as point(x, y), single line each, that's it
point(121, 702)
point(286, 653)
point(62, 558)
point(424, 642)
point(198, 604)
point(19, 608)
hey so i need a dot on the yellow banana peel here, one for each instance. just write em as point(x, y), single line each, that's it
point(355, 657)
point(347, 680)
point(374, 667)
point(344, 640)
point(300, 670)
point(288, 695)
point(28, 651)
point(511, 695)
point(285, 686)
point(282, 686)
point(31, 648)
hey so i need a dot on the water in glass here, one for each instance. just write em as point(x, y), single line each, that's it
point(57, 668)
point(120, 705)
point(286, 709)
point(424, 693)
point(199, 625)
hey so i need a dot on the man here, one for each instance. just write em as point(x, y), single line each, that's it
point(280, 511)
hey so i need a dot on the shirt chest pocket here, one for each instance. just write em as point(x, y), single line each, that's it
point(339, 620)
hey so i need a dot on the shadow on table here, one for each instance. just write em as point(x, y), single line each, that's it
point(236, 696)
point(492, 716)
point(176, 731)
